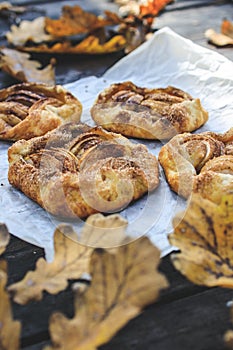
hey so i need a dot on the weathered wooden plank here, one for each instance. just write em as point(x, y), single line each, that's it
point(35, 315)
point(22, 256)
point(197, 322)
point(186, 316)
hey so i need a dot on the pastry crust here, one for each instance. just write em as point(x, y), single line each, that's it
point(215, 179)
point(76, 170)
point(147, 113)
point(185, 156)
point(31, 109)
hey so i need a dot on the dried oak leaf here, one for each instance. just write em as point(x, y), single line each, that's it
point(153, 7)
point(204, 235)
point(218, 39)
point(227, 28)
point(7, 6)
point(9, 329)
point(221, 39)
point(228, 336)
point(19, 65)
point(122, 284)
point(71, 259)
point(70, 262)
point(29, 31)
point(74, 20)
point(104, 232)
point(4, 238)
point(90, 45)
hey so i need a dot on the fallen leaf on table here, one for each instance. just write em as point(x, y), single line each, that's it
point(90, 45)
point(104, 231)
point(149, 8)
point(19, 66)
point(7, 6)
point(9, 329)
point(227, 28)
point(29, 31)
point(122, 284)
point(221, 39)
point(228, 336)
point(204, 235)
point(217, 38)
point(153, 7)
point(4, 238)
point(71, 258)
point(74, 20)
point(70, 262)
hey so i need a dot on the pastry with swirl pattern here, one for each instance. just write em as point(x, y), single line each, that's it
point(186, 155)
point(215, 178)
point(31, 109)
point(147, 113)
point(75, 170)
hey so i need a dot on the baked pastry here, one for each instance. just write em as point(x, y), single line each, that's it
point(215, 178)
point(31, 109)
point(147, 113)
point(185, 159)
point(76, 170)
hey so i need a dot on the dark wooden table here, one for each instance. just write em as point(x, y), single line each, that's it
point(186, 316)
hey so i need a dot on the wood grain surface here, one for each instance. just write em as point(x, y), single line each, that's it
point(186, 316)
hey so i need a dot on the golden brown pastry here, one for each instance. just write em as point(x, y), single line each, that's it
point(31, 109)
point(147, 113)
point(215, 178)
point(184, 156)
point(76, 170)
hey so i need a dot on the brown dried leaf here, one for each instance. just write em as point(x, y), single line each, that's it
point(228, 338)
point(122, 284)
point(4, 238)
point(153, 7)
point(19, 65)
point(71, 258)
point(90, 45)
point(227, 28)
point(29, 31)
point(74, 20)
point(70, 262)
point(204, 235)
point(217, 38)
point(10, 329)
point(104, 232)
point(7, 6)
point(150, 8)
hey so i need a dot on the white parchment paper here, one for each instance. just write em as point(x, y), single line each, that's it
point(166, 59)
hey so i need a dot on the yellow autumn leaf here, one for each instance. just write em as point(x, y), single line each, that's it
point(9, 329)
point(104, 232)
point(122, 284)
point(75, 20)
point(4, 237)
point(19, 65)
point(204, 235)
point(71, 258)
point(228, 336)
point(70, 262)
point(90, 45)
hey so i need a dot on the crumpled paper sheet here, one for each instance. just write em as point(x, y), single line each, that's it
point(166, 59)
